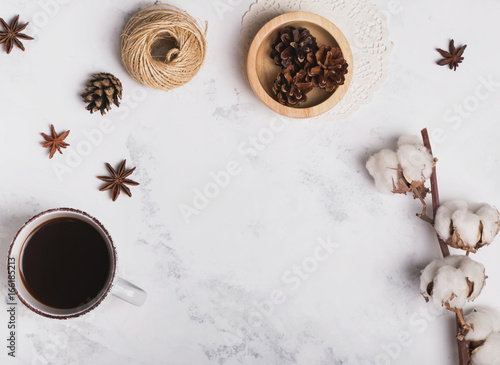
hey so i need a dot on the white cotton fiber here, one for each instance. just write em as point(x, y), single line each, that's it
point(474, 271)
point(490, 218)
point(414, 158)
point(450, 287)
point(489, 353)
point(467, 225)
point(442, 221)
point(484, 320)
point(383, 167)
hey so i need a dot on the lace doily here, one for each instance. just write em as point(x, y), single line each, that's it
point(364, 26)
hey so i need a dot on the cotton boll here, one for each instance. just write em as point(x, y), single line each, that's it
point(490, 219)
point(414, 158)
point(467, 226)
point(489, 352)
point(449, 281)
point(484, 321)
point(383, 167)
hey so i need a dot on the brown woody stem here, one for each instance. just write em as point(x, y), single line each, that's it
point(462, 328)
point(425, 218)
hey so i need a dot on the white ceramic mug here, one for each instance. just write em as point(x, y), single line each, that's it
point(114, 285)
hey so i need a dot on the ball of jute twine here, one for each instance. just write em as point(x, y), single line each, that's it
point(150, 27)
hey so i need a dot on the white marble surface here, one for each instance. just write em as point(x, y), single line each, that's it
point(207, 278)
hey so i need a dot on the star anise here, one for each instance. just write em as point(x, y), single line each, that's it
point(55, 142)
point(11, 35)
point(453, 57)
point(118, 180)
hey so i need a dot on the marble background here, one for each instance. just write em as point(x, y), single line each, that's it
point(296, 259)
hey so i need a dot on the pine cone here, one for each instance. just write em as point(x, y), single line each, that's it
point(291, 87)
point(309, 64)
point(327, 70)
point(292, 46)
point(102, 91)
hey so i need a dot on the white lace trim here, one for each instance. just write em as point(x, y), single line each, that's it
point(364, 26)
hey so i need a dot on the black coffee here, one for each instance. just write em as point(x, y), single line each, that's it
point(65, 263)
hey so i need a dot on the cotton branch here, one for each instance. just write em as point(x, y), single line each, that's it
point(462, 328)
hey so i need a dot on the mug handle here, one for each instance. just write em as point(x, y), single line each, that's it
point(128, 292)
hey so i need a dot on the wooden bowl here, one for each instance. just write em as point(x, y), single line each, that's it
point(262, 71)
